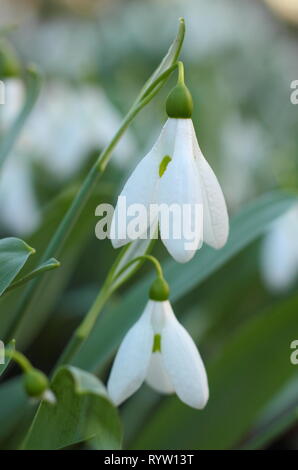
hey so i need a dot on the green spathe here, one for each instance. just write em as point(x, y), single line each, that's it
point(179, 102)
point(159, 290)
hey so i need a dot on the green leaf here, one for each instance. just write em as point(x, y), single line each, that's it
point(275, 419)
point(13, 401)
point(13, 255)
point(247, 372)
point(48, 265)
point(169, 59)
point(33, 88)
point(83, 412)
point(10, 346)
point(52, 284)
point(245, 228)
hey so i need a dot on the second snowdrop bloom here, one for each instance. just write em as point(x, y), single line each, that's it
point(174, 174)
point(158, 350)
point(279, 254)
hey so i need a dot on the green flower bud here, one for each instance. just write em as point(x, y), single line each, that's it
point(159, 290)
point(35, 382)
point(179, 102)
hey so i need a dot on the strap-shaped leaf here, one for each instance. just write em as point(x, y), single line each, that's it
point(48, 265)
point(169, 59)
point(13, 255)
point(83, 412)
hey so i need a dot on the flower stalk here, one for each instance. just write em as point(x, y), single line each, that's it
point(83, 331)
point(71, 216)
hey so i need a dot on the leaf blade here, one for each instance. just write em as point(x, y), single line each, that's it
point(83, 411)
point(13, 255)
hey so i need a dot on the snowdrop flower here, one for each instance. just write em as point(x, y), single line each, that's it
point(174, 172)
point(158, 350)
point(279, 255)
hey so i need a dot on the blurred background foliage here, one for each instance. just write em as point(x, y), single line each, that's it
point(240, 60)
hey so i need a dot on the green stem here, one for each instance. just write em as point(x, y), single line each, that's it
point(19, 358)
point(150, 258)
point(83, 331)
point(80, 200)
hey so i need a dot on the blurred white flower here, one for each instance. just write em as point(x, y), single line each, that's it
point(174, 172)
point(65, 125)
point(279, 255)
point(49, 397)
point(159, 350)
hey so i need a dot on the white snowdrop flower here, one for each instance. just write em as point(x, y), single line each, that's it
point(174, 172)
point(158, 350)
point(279, 255)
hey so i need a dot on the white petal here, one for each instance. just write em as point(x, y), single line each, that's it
point(49, 396)
point(279, 256)
point(141, 188)
point(183, 362)
point(179, 186)
point(216, 219)
point(132, 360)
point(157, 376)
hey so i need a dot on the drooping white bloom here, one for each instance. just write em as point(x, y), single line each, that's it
point(158, 350)
point(279, 255)
point(174, 172)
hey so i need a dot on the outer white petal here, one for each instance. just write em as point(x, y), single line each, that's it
point(183, 362)
point(132, 360)
point(179, 186)
point(216, 219)
point(157, 376)
point(141, 188)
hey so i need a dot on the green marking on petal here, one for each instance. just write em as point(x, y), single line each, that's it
point(163, 165)
point(156, 344)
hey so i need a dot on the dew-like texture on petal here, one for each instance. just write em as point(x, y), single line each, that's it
point(216, 219)
point(132, 360)
point(179, 186)
point(183, 363)
point(157, 376)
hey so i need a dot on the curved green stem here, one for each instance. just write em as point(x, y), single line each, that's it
point(150, 258)
point(19, 358)
point(83, 331)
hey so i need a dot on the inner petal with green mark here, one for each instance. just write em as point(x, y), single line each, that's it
point(163, 165)
point(156, 344)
